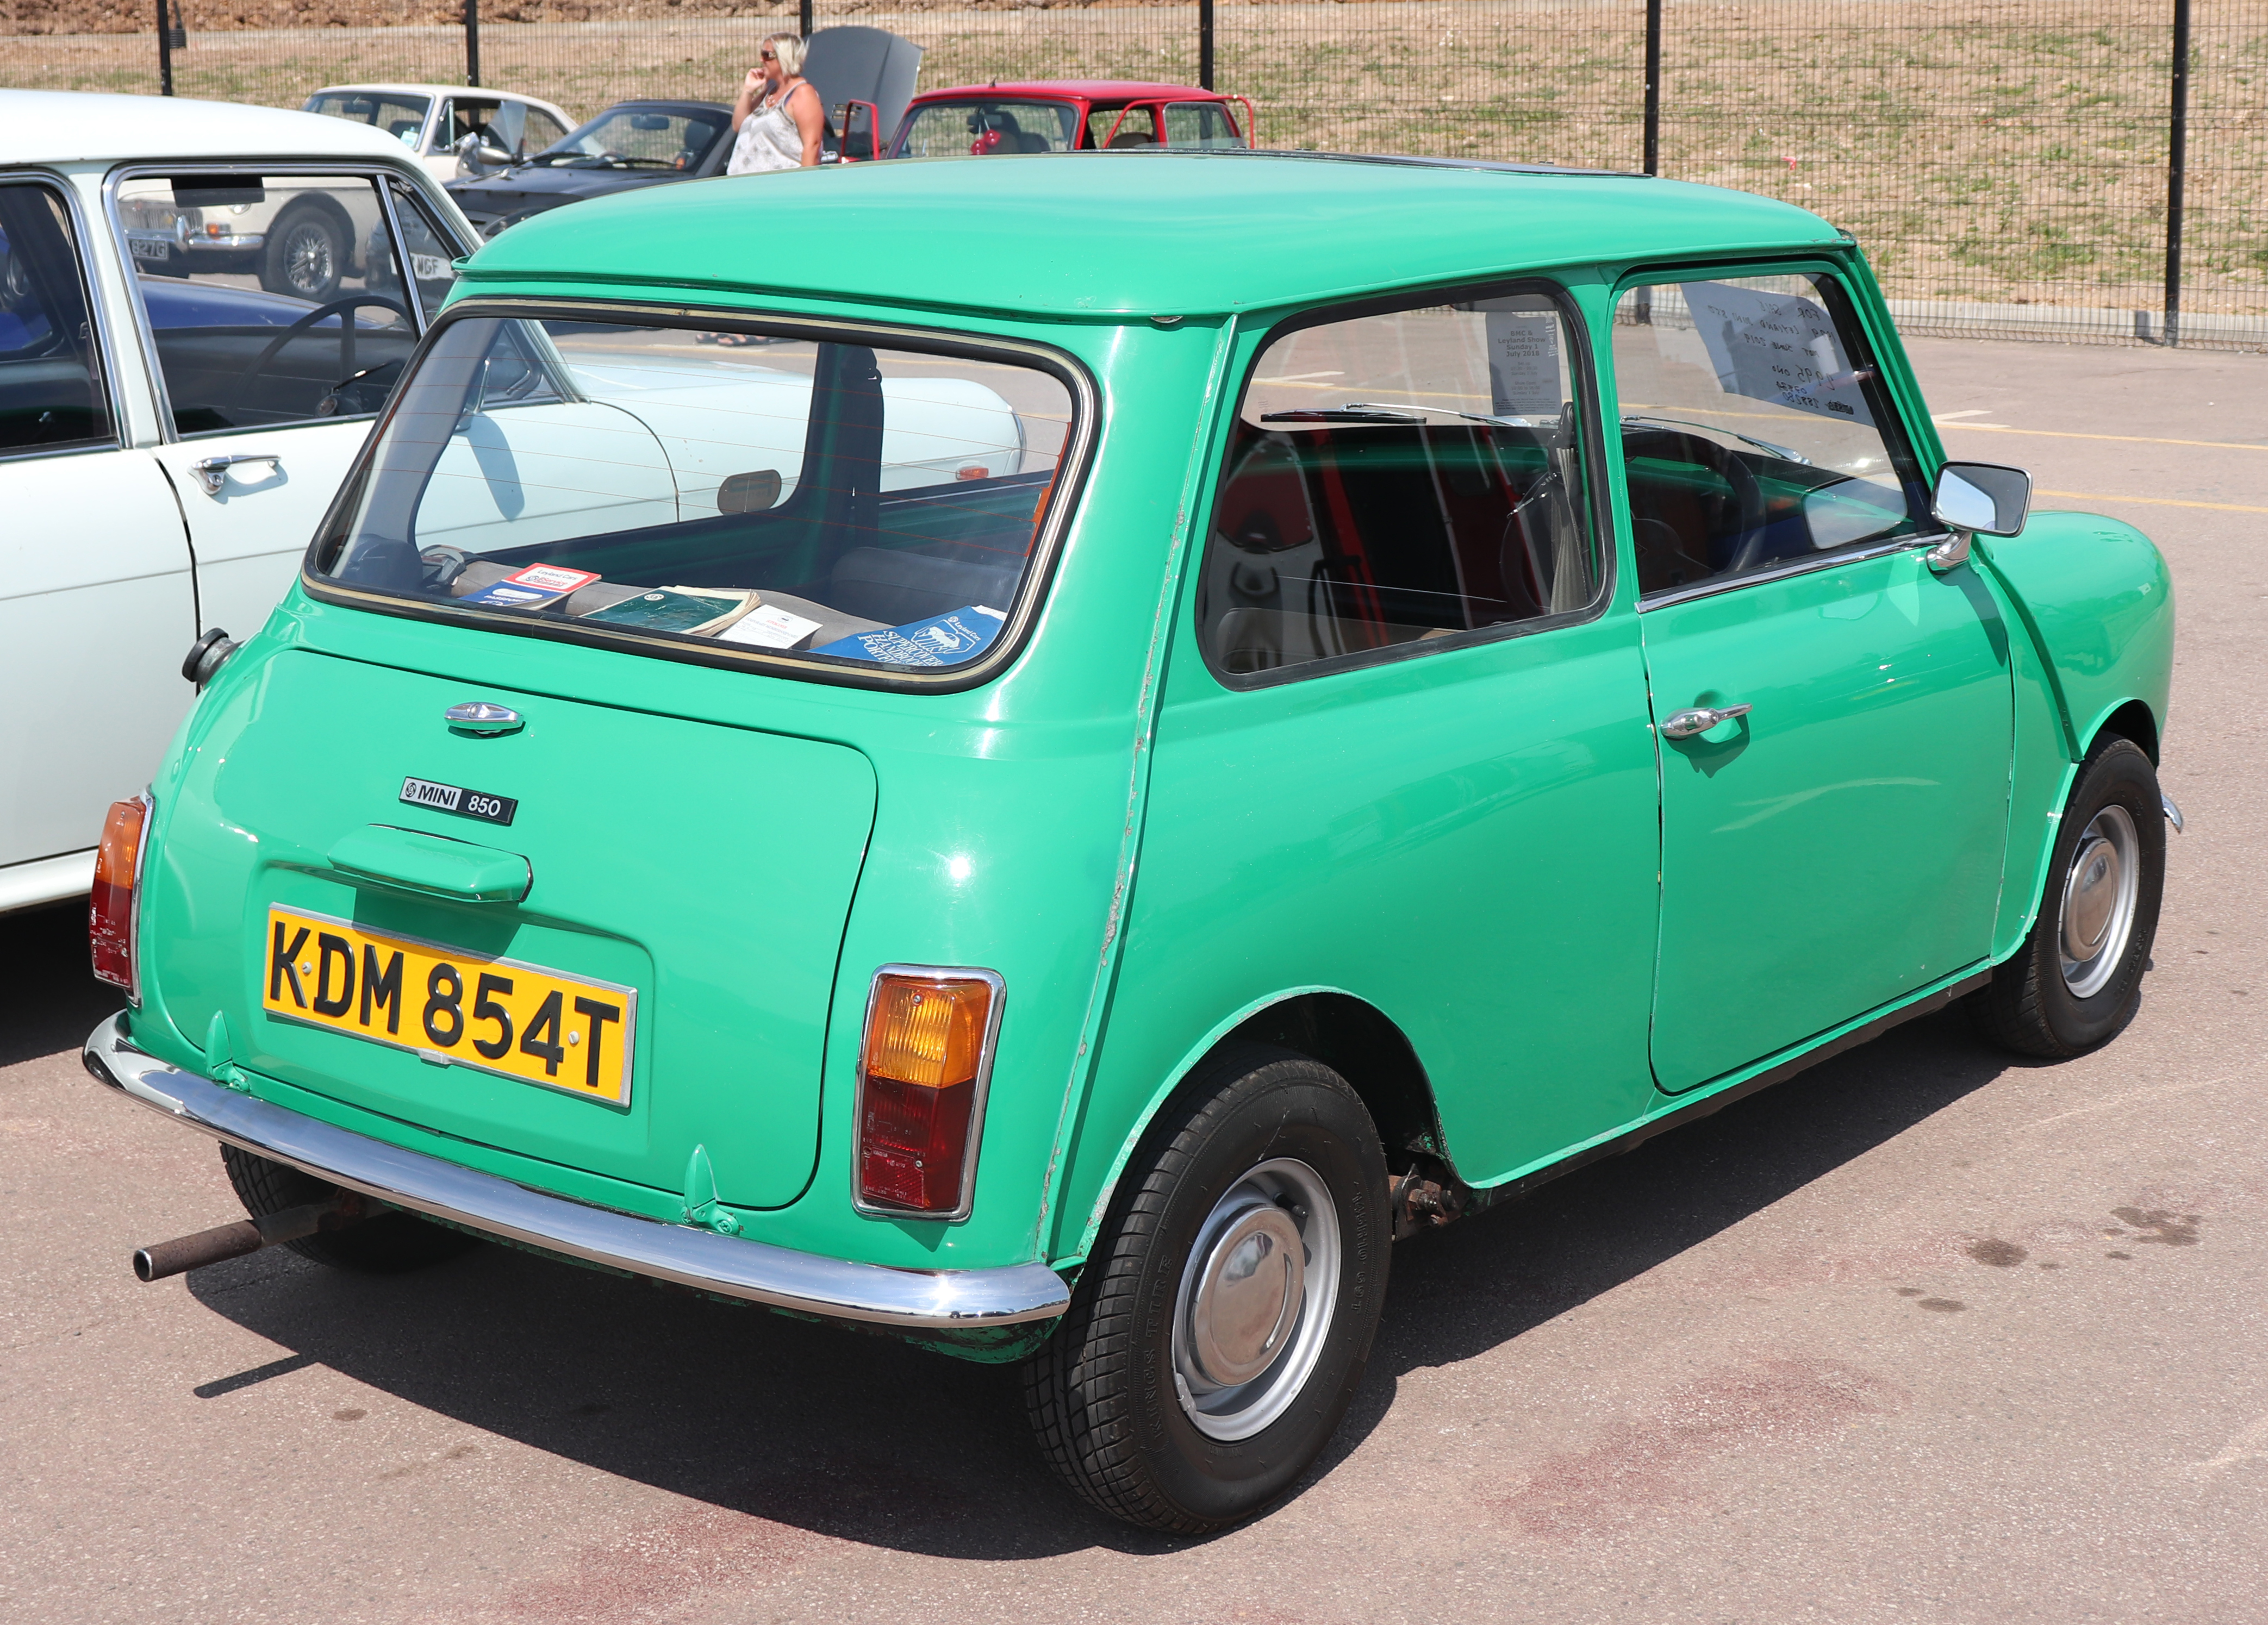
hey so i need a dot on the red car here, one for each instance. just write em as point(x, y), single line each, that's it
point(1064, 115)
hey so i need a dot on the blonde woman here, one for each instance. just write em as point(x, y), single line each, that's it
point(778, 116)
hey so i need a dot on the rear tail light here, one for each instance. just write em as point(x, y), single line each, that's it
point(922, 1072)
point(117, 876)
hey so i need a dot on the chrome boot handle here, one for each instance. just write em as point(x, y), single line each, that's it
point(1684, 724)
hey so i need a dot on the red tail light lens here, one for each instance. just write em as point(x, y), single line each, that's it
point(928, 1038)
point(110, 910)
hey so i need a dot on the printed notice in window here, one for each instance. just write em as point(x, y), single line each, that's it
point(1523, 363)
point(1776, 347)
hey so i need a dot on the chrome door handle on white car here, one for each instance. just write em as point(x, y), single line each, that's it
point(212, 472)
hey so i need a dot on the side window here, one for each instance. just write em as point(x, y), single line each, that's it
point(538, 130)
point(1200, 124)
point(1401, 477)
point(51, 388)
point(431, 256)
point(1136, 127)
point(270, 299)
point(497, 124)
point(1756, 430)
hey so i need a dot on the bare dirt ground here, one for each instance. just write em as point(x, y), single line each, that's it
point(1997, 150)
point(1924, 1335)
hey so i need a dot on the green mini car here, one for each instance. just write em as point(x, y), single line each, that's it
point(1147, 725)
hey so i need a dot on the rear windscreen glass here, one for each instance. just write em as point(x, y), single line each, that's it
point(853, 506)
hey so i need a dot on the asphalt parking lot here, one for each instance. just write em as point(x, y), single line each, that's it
point(1926, 1334)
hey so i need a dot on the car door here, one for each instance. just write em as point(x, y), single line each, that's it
point(1412, 763)
point(1832, 712)
point(267, 393)
point(96, 602)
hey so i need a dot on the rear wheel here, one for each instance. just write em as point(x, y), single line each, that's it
point(2077, 982)
point(1221, 1327)
point(385, 1245)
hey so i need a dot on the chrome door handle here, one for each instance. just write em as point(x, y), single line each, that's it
point(1684, 724)
point(212, 472)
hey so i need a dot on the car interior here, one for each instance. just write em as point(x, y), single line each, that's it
point(840, 551)
point(1341, 531)
point(51, 393)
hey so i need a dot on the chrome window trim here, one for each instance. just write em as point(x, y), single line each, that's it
point(943, 973)
point(1787, 568)
point(105, 358)
point(368, 169)
point(1068, 487)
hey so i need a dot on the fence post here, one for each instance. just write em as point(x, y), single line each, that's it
point(803, 20)
point(472, 41)
point(1653, 87)
point(1205, 44)
point(2178, 142)
point(164, 51)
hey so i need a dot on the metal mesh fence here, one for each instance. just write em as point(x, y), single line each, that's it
point(2005, 162)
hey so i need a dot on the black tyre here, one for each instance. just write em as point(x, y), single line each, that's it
point(385, 1245)
point(2078, 979)
point(1221, 1327)
point(306, 255)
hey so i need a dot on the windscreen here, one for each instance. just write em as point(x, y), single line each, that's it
point(859, 507)
point(988, 128)
point(637, 138)
point(399, 114)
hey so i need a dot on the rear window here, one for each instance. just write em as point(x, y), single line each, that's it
point(862, 510)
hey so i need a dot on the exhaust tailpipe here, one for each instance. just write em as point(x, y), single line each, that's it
point(161, 1259)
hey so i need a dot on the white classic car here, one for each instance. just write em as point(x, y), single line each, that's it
point(433, 121)
point(171, 427)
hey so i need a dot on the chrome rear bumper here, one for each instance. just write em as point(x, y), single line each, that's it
point(806, 1283)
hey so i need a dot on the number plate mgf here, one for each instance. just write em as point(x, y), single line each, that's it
point(518, 1020)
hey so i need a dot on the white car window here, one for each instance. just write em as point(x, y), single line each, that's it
point(51, 390)
point(264, 300)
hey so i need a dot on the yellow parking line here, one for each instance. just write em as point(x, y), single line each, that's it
point(2059, 434)
point(2156, 501)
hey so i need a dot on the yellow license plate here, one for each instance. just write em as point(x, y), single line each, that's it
point(503, 1016)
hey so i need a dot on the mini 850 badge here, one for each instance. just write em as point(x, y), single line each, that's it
point(457, 799)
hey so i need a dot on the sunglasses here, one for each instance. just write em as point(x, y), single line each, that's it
point(768, 56)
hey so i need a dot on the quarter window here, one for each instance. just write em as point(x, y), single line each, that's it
point(1756, 430)
point(1397, 479)
point(270, 299)
point(51, 390)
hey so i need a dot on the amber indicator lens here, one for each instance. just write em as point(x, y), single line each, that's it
point(925, 1045)
point(110, 910)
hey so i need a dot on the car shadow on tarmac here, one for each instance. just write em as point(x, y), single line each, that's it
point(49, 1000)
point(862, 1439)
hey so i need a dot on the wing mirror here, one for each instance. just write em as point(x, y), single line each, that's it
point(1974, 499)
point(1983, 498)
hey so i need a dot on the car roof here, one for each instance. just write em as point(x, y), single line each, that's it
point(1085, 89)
point(1145, 232)
point(680, 102)
point(61, 127)
point(477, 93)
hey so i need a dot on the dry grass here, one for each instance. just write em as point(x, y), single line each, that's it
point(2004, 150)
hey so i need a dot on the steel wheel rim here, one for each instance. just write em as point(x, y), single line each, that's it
point(1252, 1313)
point(2096, 920)
point(307, 261)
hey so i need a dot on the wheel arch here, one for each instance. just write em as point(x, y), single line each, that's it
point(2132, 721)
point(1344, 1031)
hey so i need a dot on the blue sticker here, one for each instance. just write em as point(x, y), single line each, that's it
point(941, 640)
